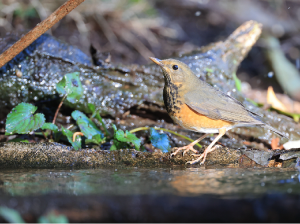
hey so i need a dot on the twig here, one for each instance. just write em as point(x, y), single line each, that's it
point(58, 108)
point(107, 31)
point(45, 136)
point(140, 47)
point(38, 30)
point(166, 130)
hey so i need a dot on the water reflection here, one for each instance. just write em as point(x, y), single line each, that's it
point(226, 182)
point(238, 182)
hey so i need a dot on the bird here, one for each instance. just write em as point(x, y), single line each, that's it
point(197, 106)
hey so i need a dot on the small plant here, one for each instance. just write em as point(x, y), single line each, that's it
point(238, 83)
point(122, 140)
point(98, 117)
point(23, 120)
point(76, 143)
point(13, 216)
point(53, 217)
point(88, 128)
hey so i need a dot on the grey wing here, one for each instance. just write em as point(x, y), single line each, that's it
point(217, 105)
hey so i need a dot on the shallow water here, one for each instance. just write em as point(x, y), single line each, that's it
point(227, 182)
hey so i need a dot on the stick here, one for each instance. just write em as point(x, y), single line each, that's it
point(38, 30)
point(58, 108)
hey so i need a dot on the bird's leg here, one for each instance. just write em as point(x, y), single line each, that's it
point(189, 147)
point(210, 148)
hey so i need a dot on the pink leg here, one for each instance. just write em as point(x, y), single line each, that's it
point(210, 148)
point(189, 147)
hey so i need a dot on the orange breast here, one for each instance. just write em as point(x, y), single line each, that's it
point(192, 120)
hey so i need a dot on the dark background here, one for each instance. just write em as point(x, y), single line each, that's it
point(133, 30)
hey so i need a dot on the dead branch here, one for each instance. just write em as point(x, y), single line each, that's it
point(38, 30)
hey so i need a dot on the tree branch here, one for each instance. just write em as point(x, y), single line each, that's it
point(38, 30)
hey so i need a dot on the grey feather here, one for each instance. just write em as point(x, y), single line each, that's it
point(217, 105)
point(221, 106)
point(275, 130)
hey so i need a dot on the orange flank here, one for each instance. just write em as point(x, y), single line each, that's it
point(192, 120)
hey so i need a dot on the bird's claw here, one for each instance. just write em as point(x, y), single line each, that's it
point(201, 157)
point(190, 149)
point(193, 162)
point(196, 155)
point(174, 153)
point(196, 160)
point(185, 148)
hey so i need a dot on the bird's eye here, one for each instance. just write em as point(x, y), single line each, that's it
point(175, 67)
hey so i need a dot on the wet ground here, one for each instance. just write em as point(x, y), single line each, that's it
point(224, 182)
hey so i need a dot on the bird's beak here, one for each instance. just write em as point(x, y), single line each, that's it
point(157, 61)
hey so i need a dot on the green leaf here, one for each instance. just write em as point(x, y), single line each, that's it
point(50, 126)
point(126, 137)
point(160, 141)
point(238, 83)
point(70, 85)
point(133, 139)
point(253, 102)
point(77, 144)
point(210, 70)
point(11, 215)
point(98, 117)
point(134, 1)
point(295, 116)
point(113, 147)
point(121, 145)
point(22, 121)
point(114, 127)
point(92, 107)
point(96, 139)
point(31, 12)
point(18, 140)
point(87, 127)
point(53, 217)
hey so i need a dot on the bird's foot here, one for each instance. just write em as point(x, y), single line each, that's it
point(197, 160)
point(202, 156)
point(185, 148)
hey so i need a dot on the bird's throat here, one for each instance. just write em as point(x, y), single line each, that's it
point(172, 98)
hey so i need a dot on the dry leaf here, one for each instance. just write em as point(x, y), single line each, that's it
point(272, 163)
point(246, 143)
point(275, 144)
point(272, 100)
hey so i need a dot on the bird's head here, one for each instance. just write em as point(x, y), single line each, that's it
point(174, 71)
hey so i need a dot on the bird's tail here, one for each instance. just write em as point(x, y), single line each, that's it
point(276, 131)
